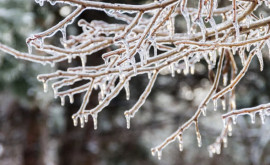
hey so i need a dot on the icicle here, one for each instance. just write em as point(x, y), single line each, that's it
point(75, 121)
point(29, 45)
point(142, 57)
point(233, 104)
point(214, 54)
point(95, 86)
point(223, 102)
point(215, 104)
point(62, 98)
point(154, 44)
point(248, 21)
point(178, 71)
point(186, 15)
point(262, 115)
point(171, 26)
point(83, 59)
point(192, 69)
point(55, 92)
point(133, 63)
point(127, 47)
point(127, 90)
point(52, 2)
point(180, 140)
point(224, 122)
point(159, 153)
point(203, 110)
point(229, 129)
point(248, 47)
point(40, 42)
point(234, 119)
point(45, 86)
point(214, 26)
point(82, 121)
point(199, 139)
point(149, 75)
point(234, 49)
point(40, 2)
point(260, 57)
point(186, 71)
point(252, 116)
point(69, 58)
point(172, 69)
point(242, 57)
point(94, 116)
point(128, 120)
point(225, 141)
point(85, 118)
point(210, 150)
point(52, 64)
point(218, 148)
point(237, 32)
point(63, 31)
point(268, 45)
point(71, 99)
point(153, 151)
point(202, 27)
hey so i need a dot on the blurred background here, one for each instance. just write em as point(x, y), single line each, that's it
point(36, 130)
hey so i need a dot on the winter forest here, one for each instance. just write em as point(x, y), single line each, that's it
point(120, 82)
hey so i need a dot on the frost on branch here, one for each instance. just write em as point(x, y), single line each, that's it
point(240, 33)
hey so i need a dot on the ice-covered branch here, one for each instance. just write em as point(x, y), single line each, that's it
point(146, 41)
